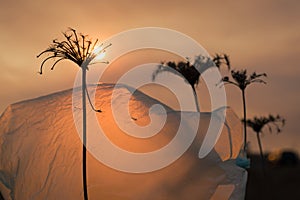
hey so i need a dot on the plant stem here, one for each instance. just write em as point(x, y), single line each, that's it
point(260, 146)
point(261, 153)
point(196, 99)
point(229, 137)
point(244, 121)
point(84, 139)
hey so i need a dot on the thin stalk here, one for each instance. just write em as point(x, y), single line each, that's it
point(84, 139)
point(229, 137)
point(244, 121)
point(261, 152)
point(260, 146)
point(196, 99)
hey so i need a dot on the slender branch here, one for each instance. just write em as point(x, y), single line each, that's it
point(258, 81)
point(77, 43)
point(56, 63)
point(83, 53)
point(50, 49)
point(41, 68)
point(89, 99)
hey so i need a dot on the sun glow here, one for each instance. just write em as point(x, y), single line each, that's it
point(100, 56)
point(98, 50)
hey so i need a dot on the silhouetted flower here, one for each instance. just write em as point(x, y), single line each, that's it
point(82, 51)
point(78, 49)
point(241, 80)
point(258, 123)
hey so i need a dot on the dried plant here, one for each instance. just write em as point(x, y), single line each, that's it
point(76, 48)
point(189, 72)
point(242, 80)
point(257, 124)
point(222, 59)
point(83, 52)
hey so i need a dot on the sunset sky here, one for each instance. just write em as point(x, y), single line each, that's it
point(262, 36)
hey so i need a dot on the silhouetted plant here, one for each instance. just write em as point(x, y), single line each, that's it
point(220, 60)
point(184, 69)
point(82, 51)
point(258, 123)
point(242, 80)
point(190, 73)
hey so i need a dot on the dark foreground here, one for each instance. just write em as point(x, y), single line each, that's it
point(279, 181)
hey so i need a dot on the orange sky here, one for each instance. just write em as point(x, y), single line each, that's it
point(260, 36)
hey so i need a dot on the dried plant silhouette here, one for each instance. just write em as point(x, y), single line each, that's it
point(184, 69)
point(257, 124)
point(222, 59)
point(81, 50)
point(242, 80)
